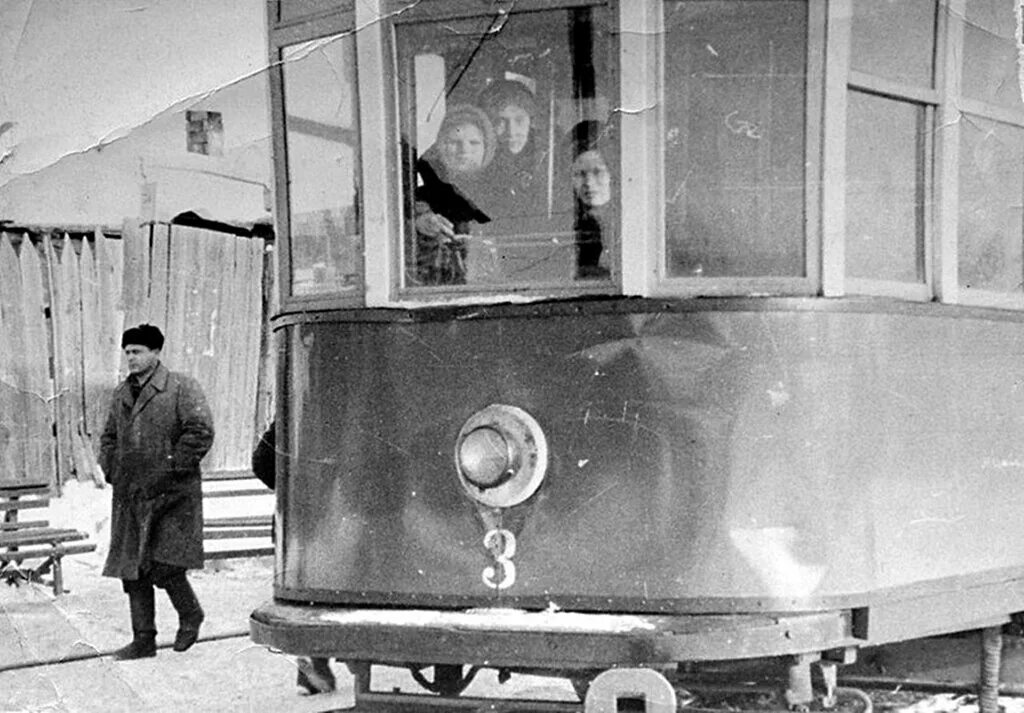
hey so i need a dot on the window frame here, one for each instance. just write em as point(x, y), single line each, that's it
point(658, 282)
point(640, 265)
point(955, 106)
point(282, 36)
point(403, 12)
point(842, 80)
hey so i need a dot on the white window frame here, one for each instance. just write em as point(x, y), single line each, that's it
point(282, 35)
point(383, 268)
point(955, 104)
point(842, 80)
point(641, 259)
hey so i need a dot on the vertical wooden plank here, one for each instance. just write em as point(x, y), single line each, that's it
point(253, 333)
point(246, 345)
point(71, 308)
point(108, 331)
point(194, 328)
point(136, 268)
point(12, 395)
point(227, 317)
point(113, 251)
point(179, 266)
point(209, 347)
point(92, 357)
point(40, 462)
point(236, 338)
point(61, 387)
point(158, 279)
point(135, 251)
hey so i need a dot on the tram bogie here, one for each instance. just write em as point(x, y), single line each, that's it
point(615, 335)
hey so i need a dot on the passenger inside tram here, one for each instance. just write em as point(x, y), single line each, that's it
point(514, 180)
point(590, 144)
point(509, 221)
point(446, 201)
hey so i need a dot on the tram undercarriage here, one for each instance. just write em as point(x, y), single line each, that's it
point(656, 662)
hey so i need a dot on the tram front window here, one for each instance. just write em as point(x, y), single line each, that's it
point(734, 107)
point(509, 149)
point(322, 149)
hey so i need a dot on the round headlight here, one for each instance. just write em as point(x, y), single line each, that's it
point(501, 455)
point(485, 458)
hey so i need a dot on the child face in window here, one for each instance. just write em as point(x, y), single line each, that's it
point(512, 127)
point(462, 149)
point(591, 179)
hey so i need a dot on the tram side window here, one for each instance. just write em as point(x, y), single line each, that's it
point(884, 189)
point(322, 148)
point(892, 45)
point(509, 149)
point(735, 90)
point(895, 40)
point(990, 233)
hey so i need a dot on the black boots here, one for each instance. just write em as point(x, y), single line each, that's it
point(143, 612)
point(190, 614)
point(143, 646)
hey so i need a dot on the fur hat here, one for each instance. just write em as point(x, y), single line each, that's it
point(145, 335)
point(503, 92)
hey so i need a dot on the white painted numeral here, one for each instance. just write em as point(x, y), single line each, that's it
point(502, 544)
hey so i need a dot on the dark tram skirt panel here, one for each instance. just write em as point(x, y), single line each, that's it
point(682, 477)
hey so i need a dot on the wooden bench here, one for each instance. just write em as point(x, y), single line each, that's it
point(22, 540)
point(238, 518)
point(256, 529)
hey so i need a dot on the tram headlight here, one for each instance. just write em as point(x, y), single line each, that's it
point(485, 458)
point(501, 455)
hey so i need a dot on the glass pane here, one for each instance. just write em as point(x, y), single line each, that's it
point(894, 40)
point(734, 142)
point(509, 152)
point(884, 193)
point(990, 53)
point(991, 229)
point(322, 142)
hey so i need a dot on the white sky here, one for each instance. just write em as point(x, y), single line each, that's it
point(75, 73)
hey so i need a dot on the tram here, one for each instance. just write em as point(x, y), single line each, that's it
point(636, 334)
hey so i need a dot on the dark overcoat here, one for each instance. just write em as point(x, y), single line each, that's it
point(150, 452)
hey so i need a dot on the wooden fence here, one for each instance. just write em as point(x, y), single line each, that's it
point(63, 306)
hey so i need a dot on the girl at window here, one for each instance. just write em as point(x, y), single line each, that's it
point(447, 200)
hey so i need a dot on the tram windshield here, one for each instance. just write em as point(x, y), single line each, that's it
point(509, 149)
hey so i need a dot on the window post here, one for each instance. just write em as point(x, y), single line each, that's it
point(642, 172)
point(833, 189)
point(379, 202)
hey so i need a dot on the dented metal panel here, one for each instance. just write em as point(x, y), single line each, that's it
point(787, 456)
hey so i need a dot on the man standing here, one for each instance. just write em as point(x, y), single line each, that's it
point(158, 429)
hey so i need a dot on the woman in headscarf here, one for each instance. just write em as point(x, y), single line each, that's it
point(448, 198)
point(590, 151)
point(515, 180)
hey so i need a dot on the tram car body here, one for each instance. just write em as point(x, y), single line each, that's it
point(784, 415)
